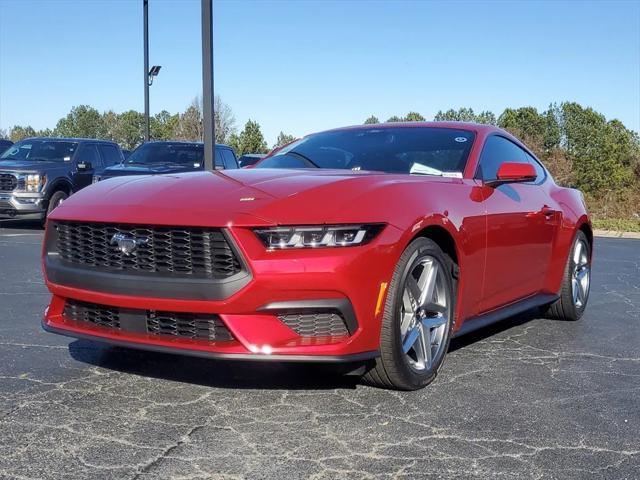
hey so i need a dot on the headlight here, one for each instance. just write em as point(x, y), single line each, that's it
point(318, 236)
point(31, 182)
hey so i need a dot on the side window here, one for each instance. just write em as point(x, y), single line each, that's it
point(110, 154)
point(229, 158)
point(89, 153)
point(540, 171)
point(219, 161)
point(496, 151)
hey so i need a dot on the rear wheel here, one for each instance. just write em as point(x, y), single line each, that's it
point(576, 283)
point(417, 320)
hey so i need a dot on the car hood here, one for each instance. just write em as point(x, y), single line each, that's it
point(29, 166)
point(240, 197)
point(129, 169)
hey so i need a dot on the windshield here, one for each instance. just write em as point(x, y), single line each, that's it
point(168, 153)
point(41, 151)
point(410, 150)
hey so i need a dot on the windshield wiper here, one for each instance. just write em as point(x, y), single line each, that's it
point(304, 157)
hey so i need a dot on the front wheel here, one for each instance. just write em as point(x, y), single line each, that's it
point(417, 320)
point(56, 199)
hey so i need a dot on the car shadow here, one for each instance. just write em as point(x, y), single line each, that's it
point(21, 224)
point(493, 329)
point(214, 373)
point(246, 374)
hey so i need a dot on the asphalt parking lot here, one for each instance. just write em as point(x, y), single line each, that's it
point(528, 398)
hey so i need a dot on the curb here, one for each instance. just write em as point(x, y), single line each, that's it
point(616, 234)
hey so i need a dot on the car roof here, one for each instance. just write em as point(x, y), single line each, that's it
point(183, 142)
point(71, 139)
point(475, 127)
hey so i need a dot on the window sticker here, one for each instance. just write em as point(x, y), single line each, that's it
point(460, 139)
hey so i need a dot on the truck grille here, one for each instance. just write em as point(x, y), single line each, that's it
point(194, 326)
point(315, 324)
point(8, 182)
point(174, 251)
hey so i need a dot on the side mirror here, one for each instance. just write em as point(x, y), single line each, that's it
point(84, 166)
point(511, 172)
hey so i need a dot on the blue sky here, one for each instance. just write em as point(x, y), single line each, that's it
point(302, 66)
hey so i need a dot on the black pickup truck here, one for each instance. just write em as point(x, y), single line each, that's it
point(158, 157)
point(37, 174)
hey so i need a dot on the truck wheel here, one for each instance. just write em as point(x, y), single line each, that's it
point(56, 199)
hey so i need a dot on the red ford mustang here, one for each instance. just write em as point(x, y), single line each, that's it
point(373, 244)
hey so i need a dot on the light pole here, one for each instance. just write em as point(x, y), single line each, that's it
point(207, 85)
point(149, 75)
point(145, 15)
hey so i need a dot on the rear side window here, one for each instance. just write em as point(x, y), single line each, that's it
point(229, 158)
point(219, 161)
point(89, 153)
point(110, 154)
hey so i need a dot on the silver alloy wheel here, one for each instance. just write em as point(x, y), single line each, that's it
point(580, 280)
point(424, 313)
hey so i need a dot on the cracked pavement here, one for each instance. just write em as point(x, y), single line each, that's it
point(526, 398)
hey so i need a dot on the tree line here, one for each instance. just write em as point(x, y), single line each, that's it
point(579, 146)
point(127, 128)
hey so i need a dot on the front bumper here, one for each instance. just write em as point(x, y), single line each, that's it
point(22, 205)
point(349, 280)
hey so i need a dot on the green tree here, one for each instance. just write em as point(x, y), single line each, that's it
point(83, 121)
point(47, 132)
point(600, 155)
point(163, 125)
point(110, 125)
point(371, 120)
point(414, 117)
point(250, 140)
point(465, 115)
point(283, 139)
point(130, 129)
point(393, 119)
point(18, 133)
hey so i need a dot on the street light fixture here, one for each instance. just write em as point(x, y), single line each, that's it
point(155, 70)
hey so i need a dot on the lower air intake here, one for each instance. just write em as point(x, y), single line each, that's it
point(316, 324)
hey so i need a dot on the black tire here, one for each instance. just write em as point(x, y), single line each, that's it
point(56, 199)
point(565, 308)
point(392, 369)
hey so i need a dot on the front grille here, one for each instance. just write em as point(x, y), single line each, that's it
point(315, 324)
point(173, 251)
point(8, 182)
point(189, 325)
point(100, 315)
point(195, 326)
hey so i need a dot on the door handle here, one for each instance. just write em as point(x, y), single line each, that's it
point(547, 211)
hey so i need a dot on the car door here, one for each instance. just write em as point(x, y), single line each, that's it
point(521, 227)
point(87, 161)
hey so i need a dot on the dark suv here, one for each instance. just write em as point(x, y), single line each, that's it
point(4, 144)
point(36, 174)
point(169, 157)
